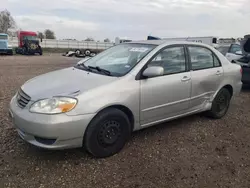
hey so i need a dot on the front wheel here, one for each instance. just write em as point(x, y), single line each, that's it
point(220, 104)
point(10, 52)
point(107, 133)
point(40, 51)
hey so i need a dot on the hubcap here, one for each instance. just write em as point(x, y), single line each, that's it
point(221, 103)
point(109, 133)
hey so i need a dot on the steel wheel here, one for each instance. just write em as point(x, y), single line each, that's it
point(220, 104)
point(109, 133)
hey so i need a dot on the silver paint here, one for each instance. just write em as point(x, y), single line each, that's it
point(151, 100)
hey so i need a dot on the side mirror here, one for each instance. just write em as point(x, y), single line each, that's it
point(153, 71)
point(239, 53)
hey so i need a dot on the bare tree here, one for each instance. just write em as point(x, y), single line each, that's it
point(6, 21)
point(40, 35)
point(89, 39)
point(49, 34)
point(106, 40)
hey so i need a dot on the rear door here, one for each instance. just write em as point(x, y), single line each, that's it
point(206, 75)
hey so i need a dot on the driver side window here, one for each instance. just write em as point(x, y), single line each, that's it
point(172, 60)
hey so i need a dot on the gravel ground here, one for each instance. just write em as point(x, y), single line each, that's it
point(189, 152)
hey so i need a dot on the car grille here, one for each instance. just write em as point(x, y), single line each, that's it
point(22, 98)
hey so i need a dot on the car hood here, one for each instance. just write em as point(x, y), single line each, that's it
point(65, 82)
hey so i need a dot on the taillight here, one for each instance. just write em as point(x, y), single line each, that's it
point(241, 70)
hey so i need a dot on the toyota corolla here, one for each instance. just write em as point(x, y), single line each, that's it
point(99, 102)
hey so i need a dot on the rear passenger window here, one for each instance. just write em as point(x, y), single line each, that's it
point(202, 58)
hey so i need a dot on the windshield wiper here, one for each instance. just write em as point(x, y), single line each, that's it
point(107, 72)
point(84, 67)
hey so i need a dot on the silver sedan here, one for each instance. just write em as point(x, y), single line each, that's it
point(99, 102)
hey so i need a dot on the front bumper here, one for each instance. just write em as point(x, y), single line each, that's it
point(5, 51)
point(59, 131)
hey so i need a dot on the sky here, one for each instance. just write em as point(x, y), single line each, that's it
point(100, 19)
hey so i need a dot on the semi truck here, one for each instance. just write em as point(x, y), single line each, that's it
point(28, 43)
point(5, 48)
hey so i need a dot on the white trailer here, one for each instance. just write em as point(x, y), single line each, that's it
point(119, 40)
point(210, 40)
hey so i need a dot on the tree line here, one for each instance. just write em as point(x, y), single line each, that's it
point(9, 26)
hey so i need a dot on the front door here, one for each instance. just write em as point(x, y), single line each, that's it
point(168, 95)
point(206, 74)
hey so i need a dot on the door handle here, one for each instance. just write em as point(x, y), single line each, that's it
point(218, 73)
point(185, 78)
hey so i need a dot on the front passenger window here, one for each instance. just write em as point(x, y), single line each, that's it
point(172, 59)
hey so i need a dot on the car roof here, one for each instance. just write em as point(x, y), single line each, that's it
point(166, 42)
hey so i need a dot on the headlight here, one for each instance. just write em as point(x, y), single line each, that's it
point(53, 105)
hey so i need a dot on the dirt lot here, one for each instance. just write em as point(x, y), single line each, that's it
point(190, 152)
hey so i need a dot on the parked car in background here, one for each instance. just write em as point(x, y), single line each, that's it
point(98, 103)
point(231, 51)
point(244, 61)
point(5, 47)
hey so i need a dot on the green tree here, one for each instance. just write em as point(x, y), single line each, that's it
point(40, 35)
point(106, 40)
point(7, 22)
point(49, 34)
point(89, 39)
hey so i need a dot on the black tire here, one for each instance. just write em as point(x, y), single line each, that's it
point(78, 52)
point(87, 52)
point(10, 52)
point(40, 51)
point(23, 51)
point(220, 104)
point(107, 133)
point(92, 55)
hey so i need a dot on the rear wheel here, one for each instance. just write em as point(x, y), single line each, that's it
point(220, 104)
point(107, 133)
point(87, 52)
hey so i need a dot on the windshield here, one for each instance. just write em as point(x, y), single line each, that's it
point(30, 38)
point(3, 37)
point(120, 59)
